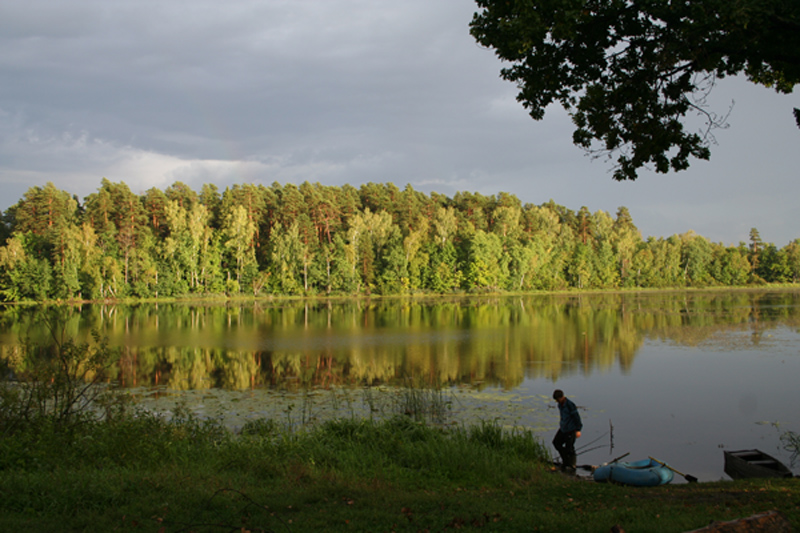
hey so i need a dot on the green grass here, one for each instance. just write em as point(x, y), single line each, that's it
point(144, 473)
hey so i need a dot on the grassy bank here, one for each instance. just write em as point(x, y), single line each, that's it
point(145, 473)
point(239, 299)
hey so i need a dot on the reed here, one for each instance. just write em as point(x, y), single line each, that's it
point(791, 443)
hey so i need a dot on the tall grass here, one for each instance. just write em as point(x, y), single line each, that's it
point(398, 448)
point(401, 448)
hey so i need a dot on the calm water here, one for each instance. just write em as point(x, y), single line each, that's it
point(679, 376)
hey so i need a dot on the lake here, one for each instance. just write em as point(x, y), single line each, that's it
point(680, 376)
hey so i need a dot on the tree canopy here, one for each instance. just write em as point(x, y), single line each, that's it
point(328, 240)
point(629, 72)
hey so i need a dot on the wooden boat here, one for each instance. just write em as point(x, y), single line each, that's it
point(644, 473)
point(742, 464)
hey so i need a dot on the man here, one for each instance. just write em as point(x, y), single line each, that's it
point(569, 429)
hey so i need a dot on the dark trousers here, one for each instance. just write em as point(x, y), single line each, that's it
point(565, 445)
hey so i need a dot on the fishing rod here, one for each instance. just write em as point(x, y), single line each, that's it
point(581, 448)
point(577, 453)
point(612, 461)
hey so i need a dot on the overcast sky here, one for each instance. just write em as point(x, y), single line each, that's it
point(343, 91)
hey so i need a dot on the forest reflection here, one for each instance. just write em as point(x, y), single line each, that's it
point(479, 341)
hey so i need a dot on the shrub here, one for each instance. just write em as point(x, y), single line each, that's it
point(59, 382)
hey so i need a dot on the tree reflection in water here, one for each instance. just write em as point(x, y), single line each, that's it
point(477, 341)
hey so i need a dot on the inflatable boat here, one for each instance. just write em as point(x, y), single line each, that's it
point(644, 473)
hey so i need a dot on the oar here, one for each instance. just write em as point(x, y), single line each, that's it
point(592, 467)
point(687, 477)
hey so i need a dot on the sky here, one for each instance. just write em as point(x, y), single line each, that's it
point(340, 92)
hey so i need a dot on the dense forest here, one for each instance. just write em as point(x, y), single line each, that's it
point(326, 240)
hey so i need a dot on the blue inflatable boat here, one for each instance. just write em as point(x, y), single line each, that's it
point(644, 473)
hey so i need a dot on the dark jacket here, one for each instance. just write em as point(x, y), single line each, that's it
point(570, 418)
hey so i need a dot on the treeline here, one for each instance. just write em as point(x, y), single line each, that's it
point(322, 240)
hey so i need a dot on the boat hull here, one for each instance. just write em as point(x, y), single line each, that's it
point(743, 464)
point(644, 473)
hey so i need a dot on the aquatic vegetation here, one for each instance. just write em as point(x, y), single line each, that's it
point(791, 443)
